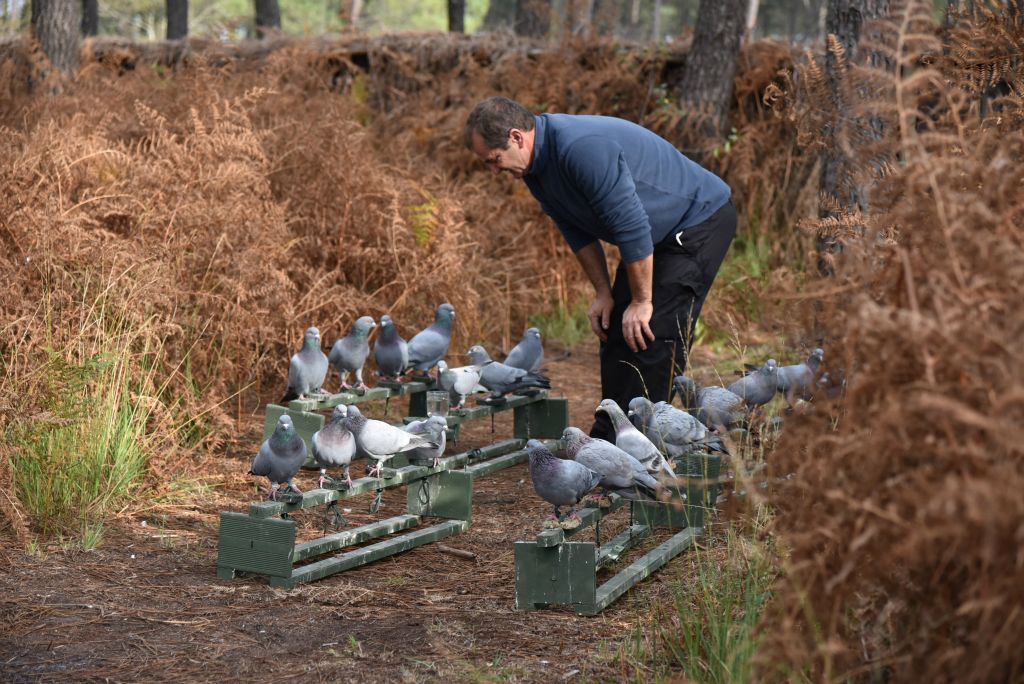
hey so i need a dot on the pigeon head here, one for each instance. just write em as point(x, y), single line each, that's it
point(816, 357)
point(339, 414)
point(770, 366)
point(533, 332)
point(478, 354)
point(614, 411)
point(312, 338)
point(641, 409)
point(445, 315)
point(284, 423)
point(442, 366)
point(363, 326)
point(686, 388)
point(574, 439)
point(355, 419)
point(537, 451)
point(437, 423)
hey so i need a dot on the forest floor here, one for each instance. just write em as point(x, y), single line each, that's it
point(147, 605)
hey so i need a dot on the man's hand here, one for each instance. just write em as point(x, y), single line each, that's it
point(636, 324)
point(600, 313)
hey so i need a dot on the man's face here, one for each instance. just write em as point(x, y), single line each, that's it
point(515, 158)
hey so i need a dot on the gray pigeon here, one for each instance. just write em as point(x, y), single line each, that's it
point(714, 406)
point(459, 382)
point(308, 368)
point(381, 441)
point(429, 346)
point(797, 381)
point(528, 354)
point(390, 351)
point(634, 442)
point(501, 379)
point(674, 431)
point(280, 456)
point(619, 471)
point(349, 353)
point(433, 428)
point(759, 387)
point(558, 481)
point(334, 445)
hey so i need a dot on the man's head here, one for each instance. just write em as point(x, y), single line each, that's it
point(500, 132)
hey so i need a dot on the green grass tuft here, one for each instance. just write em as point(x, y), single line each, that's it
point(568, 324)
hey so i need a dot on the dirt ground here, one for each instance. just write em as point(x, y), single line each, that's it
point(148, 605)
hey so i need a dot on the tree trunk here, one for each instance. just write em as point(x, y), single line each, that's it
point(533, 18)
point(56, 24)
point(268, 17)
point(752, 8)
point(845, 20)
point(501, 15)
point(579, 16)
point(710, 70)
point(90, 17)
point(605, 16)
point(177, 19)
point(456, 16)
point(656, 23)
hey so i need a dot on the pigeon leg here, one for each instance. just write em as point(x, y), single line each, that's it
point(348, 478)
point(359, 379)
point(376, 469)
point(437, 461)
point(572, 521)
point(292, 485)
point(273, 491)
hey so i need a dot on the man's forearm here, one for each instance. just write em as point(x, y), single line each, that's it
point(592, 260)
point(641, 273)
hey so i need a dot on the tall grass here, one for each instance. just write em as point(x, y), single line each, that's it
point(708, 633)
point(82, 449)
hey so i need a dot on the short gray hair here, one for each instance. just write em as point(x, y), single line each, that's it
point(493, 119)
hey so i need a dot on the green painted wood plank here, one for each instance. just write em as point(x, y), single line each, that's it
point(562, 574)
point(401, 389)
point(612, 550)
point(588, 516)
point(498, 463)
point(255, 545)
point(448, 494)
point(356, 535)
point(642, 568)
point(368, 554)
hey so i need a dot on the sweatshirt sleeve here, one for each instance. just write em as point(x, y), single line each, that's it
point(598, 169)
point(576, 239)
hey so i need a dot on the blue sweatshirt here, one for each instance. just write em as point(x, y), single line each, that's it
point(601, 178)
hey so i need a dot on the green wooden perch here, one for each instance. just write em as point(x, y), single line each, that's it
point(553, 570)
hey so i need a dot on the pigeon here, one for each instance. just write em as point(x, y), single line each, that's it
point(280, 456)
point(797, 381)
point(459, 382)
point(759, 387)
point(433, 428)
point(429, 346)
point(390, 351)
point(619, 471)
point(501, 379)
point(349, 353)
point(558, 481)
point(334, 445)
point(528, 354)
point(381, 441)
point(633, 442)
point(676, 432)
point(714, 406)
point(308, 368)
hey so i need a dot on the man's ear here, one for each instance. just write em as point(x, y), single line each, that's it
point(516, 136)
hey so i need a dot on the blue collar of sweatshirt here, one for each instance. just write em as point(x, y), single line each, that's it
point(602, 178)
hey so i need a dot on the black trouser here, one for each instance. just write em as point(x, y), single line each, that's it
point(685, 265)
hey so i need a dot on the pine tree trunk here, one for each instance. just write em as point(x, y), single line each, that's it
point(533, 18)
point(56, 24)
point(501, 15)
point(268, 17)
point(90, 17)
point(845, 20)
point(707, 83)
point(456, 16)
point(177, 19)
